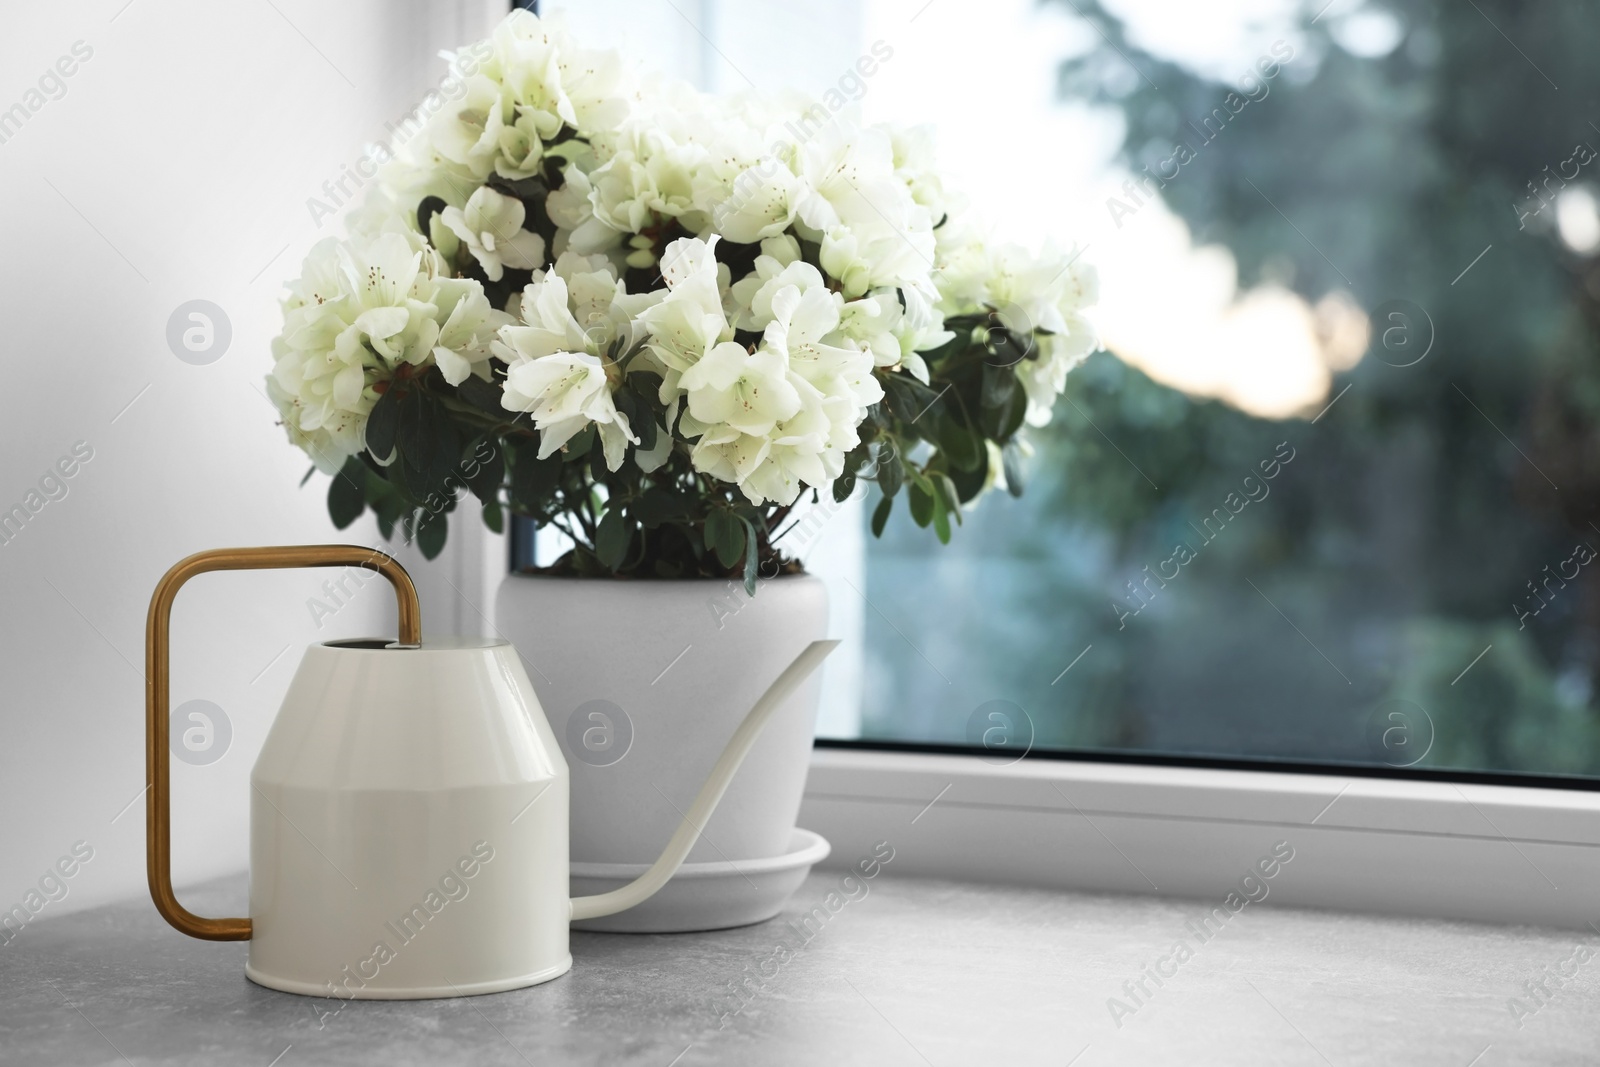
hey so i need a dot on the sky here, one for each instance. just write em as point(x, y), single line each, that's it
point(1042, 169)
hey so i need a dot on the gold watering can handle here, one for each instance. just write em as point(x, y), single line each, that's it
point(158, 809)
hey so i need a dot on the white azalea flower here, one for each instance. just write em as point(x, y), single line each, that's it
point(1043, 298)
point(562, 354)
point(689, 320)
point(849, 171)
point(802, 330)
point(565, 392)
point(491, 229)
point(649, 175)
point(327, 432)
point(779, 265)
point(914, 164)
point(766, 380)
point(750, 192)
point(597, 86)
point(468, 132)
point(546, 326)
point(731, 457)
point(801, 453)
point(570, 208)
point(893, 324)
point(532, 83)
point(360, 309)
point(875, 253)
point(463, 346)
point(749, 391)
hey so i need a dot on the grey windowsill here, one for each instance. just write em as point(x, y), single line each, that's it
point(917, 971)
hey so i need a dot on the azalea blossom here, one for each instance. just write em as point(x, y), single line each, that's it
point(490, 228)
point(754, 282)
point(748, 391)
point(557, 368)
point(360, 309)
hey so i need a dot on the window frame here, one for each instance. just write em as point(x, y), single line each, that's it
point(1434, 846)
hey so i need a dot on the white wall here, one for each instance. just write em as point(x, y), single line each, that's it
point(176, 166)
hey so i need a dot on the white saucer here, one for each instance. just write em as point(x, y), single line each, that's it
point(704, 896)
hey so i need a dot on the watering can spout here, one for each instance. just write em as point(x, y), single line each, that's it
point(666, 865)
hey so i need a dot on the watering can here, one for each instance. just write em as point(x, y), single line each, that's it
point(408, 811)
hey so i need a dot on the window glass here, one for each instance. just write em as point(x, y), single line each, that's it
point(1330, 493)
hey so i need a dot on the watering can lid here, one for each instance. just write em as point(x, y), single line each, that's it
point(429, 644)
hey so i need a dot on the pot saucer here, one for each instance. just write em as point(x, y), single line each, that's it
point(704, 896)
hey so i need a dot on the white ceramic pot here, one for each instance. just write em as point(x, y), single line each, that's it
point(644, 682)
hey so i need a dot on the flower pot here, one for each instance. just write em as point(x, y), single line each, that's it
point(644, 682)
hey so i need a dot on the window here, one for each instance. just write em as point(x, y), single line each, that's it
point(1324, 498)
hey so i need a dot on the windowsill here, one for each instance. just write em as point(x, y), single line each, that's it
point(1493, 853)
point(906, 971)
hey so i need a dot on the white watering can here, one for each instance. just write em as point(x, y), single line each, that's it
point(408, 811)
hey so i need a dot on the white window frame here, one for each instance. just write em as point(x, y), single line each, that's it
point(1391, 845)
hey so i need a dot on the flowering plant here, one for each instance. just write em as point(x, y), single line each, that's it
point(656, 319)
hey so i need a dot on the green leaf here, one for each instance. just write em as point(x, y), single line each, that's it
point(484, 475)
point(415, 480)
point(960, 443)
point(431, 532)
point(941, 520)
point(612, 538)
point(880, 515)
point(627, 403)
point(309, 472)
point(640, 413)
point(751, 555)
point(713, 530)
point(383, 423)
point(494, 516)
point(949, 499)
point(417, 432)
point(1011, 463)
point(998, 384)
point(658, 505)
point(1012, 414)
point(347, 493)
point(445, 470)
point(485, 396)
point(1004, 403)
point(725, 536)
point(922, 503)
point(645, 383)
point(843, 487)
point(385, 501)
point(891, 469)
point(908, 398)
point(857, 458)
point(969, 484)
